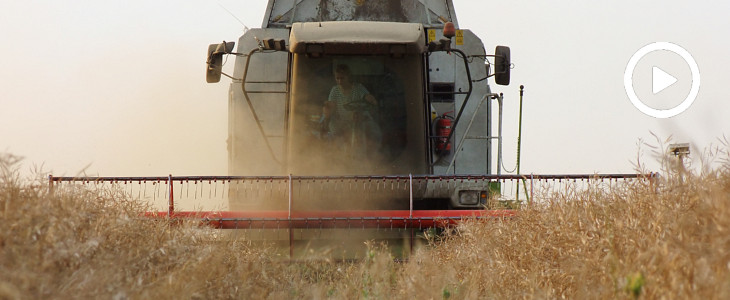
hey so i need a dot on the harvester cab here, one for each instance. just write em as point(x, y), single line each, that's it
point(348, 89)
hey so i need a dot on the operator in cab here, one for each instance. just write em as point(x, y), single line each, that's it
point(347, 117)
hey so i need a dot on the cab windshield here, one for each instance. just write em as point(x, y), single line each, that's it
point(357, 115)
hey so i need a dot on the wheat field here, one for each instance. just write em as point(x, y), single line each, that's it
point(669, 239)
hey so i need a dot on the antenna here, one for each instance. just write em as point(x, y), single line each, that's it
point(234, 16)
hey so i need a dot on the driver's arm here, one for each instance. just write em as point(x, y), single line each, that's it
point(370, 99)
point(327, 109)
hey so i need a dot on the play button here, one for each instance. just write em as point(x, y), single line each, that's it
point(673, 75)
point(660, 80)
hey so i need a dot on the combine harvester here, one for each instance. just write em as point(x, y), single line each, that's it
point(334, 105)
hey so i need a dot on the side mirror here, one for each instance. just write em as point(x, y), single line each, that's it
point(502, 65)
point(215, 60)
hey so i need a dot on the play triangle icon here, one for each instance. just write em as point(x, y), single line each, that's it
point(660, 80)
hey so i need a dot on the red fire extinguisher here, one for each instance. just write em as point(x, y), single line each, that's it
point(443, 130)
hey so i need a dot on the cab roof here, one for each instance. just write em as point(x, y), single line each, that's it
point(357, 37)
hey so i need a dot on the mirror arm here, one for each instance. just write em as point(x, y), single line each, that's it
point(231, 77)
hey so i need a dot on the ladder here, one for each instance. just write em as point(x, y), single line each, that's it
point(264, 87)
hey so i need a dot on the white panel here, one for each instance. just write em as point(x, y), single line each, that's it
point(473, 158)
point(250, 155)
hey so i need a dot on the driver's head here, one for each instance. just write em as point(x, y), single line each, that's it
point(343, 75)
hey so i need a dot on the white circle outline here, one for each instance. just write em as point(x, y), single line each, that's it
point(629, 84)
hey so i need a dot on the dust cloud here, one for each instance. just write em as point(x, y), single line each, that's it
point(134, 114)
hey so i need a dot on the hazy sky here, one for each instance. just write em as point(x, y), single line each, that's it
point(117, 88)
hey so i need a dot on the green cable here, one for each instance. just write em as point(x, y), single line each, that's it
point(519, 143)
